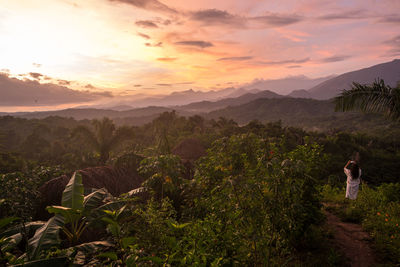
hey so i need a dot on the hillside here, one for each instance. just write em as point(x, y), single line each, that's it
point(300, 94)
point(309, 114)
point(389, 72)
point(91, 113)
point(207, 106)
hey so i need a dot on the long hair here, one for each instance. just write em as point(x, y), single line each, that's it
point(354, 170)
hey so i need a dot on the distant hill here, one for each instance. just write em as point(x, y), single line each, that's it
point(172, 99)
point(300, 94)
point(310, 114)
point(91, 113)
point(207, 106)
point(389, 72)
point(285, 85)
point(286, 109)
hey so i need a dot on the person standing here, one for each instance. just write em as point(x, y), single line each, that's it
point(353, 173)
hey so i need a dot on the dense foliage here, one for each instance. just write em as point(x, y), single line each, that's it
point(253, 200)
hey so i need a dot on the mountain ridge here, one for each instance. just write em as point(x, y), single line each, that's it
point(388, 71)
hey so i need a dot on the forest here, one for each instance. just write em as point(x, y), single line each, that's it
point(188, 191)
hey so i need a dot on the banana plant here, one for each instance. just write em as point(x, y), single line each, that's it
point(71, 217)
point(76, 208)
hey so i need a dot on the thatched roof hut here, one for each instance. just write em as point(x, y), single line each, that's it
point(189, 149)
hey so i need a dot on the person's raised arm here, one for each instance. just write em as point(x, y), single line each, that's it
point(347, 164)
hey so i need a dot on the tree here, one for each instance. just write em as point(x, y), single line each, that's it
point(105, 138)
point(375, 98)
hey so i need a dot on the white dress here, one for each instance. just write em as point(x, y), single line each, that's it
point(352, 184)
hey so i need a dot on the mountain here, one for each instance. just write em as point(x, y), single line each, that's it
point(207, 106)
point(285, 85)
point(173, 99)
point(300, 94)
point(389, 72)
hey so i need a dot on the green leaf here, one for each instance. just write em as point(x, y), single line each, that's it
point(110, 255)
point(6, 221)
point(69, 214)
point(126, 241)
point(72, 196)
point(110, 206)
point(95, 199)
point(179, 226)
point(45, 237)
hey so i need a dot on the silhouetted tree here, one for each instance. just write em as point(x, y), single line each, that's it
point(105, 138)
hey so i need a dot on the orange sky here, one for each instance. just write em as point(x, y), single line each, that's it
point(151, 46)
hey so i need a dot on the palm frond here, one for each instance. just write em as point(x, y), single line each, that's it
point(375, 98)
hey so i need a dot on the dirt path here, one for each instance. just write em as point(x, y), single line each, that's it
point(352, 241)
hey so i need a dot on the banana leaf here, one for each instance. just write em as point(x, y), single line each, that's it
point(30, 228)
point(45, 237)
point(11, 242)
point(70, 215)
point(95, 199)
point(94, 246)
point(72, 196)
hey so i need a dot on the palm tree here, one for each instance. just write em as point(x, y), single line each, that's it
point(105, 138)
point(375, 98)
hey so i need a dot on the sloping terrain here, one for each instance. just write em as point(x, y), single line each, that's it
point(389, 72)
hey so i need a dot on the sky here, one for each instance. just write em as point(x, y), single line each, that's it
point(106, 48)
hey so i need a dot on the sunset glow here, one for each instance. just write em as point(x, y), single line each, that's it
point(151, 46)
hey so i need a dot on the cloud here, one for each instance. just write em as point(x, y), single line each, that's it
point(222, 17)
point(215, 16)
point(167, 59)
point(35, 75)
point(164, 84)
point(284, 62)
point(394, 44)
point(37, 65)
point(146, 24)
point(184, 83)
point(159, 44)
point(234, 58)
point(153, 5)
point(336, 58)
point(352, 14)
point(145, 36)
point(64, 82)
point(137, 85)
point(293, 66)
point(15, 92)
point(390, 19)
point(277, 20)
point(89, 86)
point(201, 44)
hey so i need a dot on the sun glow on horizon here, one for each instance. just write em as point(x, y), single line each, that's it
point(156, 46)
